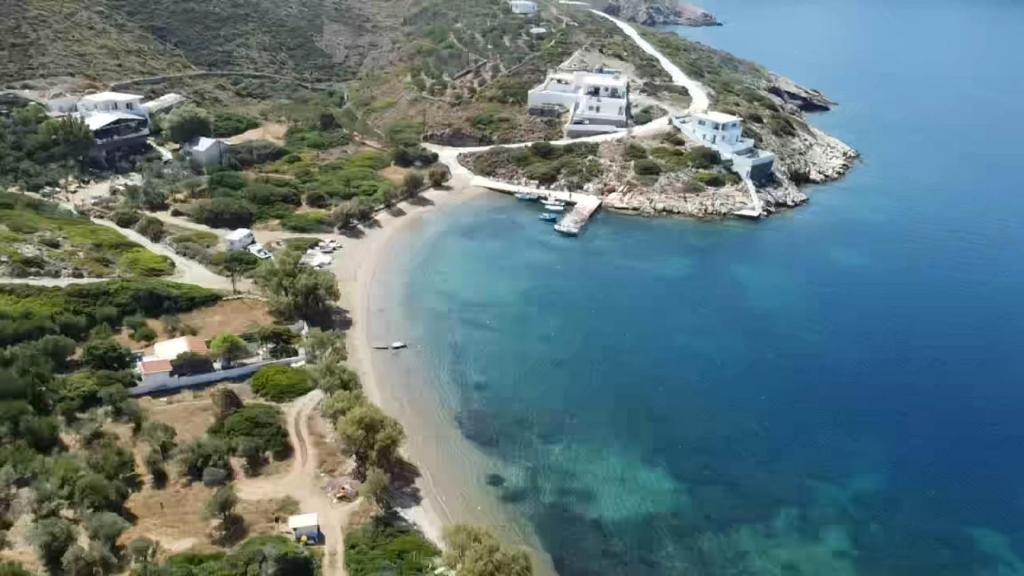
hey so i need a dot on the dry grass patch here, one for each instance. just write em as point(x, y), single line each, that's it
point(235, 316)
point(394, 174)
point(270, 131)
point(330, 460)
point(174, 517)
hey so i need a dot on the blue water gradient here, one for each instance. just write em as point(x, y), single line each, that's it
point(837, 390)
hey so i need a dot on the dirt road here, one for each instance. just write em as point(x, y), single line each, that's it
point(302, 483)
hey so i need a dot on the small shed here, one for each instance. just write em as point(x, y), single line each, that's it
point(239, 239)
point(305, 527)
point(207, 152)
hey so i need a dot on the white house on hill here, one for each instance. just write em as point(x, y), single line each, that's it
point(206, 152)
point(523, 7)
point(155, 368)
point(597, 101)
point(724, 133)
point(111, 102)
point(239, 239)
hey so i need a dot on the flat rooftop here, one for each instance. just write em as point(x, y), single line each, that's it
point(720, 117)
point(108, 96)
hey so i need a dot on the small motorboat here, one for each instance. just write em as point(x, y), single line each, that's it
point(554, 208)
point(550, 202)
point(398, 345)
point(526, 196)
point(548, 217)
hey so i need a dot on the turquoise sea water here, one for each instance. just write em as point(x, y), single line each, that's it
point(837, 390)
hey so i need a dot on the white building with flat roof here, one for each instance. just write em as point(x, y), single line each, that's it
point(724, 133)
point(523, 7)
point(239, 239)
point(305, 527)
point(597, 101)
point(206, 152)
point(112, 102)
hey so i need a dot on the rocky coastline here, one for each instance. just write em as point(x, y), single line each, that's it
point(660, 12)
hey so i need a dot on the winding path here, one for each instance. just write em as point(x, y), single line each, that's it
point(301, 483)
point(699, 102)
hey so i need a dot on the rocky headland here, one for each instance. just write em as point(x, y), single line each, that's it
point(660, 12)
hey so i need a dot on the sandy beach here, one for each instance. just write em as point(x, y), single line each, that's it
point(450, 466)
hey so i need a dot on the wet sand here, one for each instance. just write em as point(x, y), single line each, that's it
point(370, 273)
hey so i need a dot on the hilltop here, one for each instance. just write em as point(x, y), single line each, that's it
point(116, 39)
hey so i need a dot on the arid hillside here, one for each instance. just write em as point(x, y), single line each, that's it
point(117, 39)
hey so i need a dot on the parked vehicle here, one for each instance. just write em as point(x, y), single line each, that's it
point(257, 250)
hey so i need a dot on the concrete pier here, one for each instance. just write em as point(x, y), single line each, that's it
point(583, 205)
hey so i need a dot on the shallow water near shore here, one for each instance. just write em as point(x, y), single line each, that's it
point(835, 390)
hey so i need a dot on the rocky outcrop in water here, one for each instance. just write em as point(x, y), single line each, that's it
point(657, 12)
point(793, 94)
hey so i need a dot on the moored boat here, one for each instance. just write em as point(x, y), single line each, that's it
point(526, 196)
point(548, 217)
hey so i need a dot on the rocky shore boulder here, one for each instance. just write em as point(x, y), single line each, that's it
point(793, 94)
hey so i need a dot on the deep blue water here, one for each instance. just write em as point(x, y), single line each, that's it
point(837, 390)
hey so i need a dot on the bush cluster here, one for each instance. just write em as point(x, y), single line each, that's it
point(281, 383)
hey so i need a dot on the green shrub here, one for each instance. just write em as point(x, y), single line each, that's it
point(543, 172)
point(230, 123)
point(305, 222)
point(227, 179)
point(224, 213)
point(635, 151)
point(388, 544)
point(141, 262)
point(646, 168)
point(31, 312)
point(126, 218)
point(150, 227)
point(702, 157)
point(711, 179)
point(544, 150)
point(281, 383)
point(417, 155)
point(252, 153)
point(259, 424)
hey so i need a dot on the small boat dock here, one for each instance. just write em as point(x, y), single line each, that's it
point(574, 220)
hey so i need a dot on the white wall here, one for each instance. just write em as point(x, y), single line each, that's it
point(162, 383)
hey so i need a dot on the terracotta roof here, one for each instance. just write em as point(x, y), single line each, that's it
point(155, 366)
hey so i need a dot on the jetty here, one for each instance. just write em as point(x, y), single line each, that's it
point(584, 206)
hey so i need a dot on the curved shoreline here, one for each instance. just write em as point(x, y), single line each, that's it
point(448, 463)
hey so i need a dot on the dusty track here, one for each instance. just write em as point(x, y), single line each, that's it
point(302, 484)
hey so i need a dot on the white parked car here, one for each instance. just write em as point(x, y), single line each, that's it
point(328, 246)
point(316, 259)
point(257, 250)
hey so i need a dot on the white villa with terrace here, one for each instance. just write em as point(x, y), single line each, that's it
point(597, 102)
point(724, 133)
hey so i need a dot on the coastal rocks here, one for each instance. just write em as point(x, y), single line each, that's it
point(811, 156)
point(658, 12)
point(670, 197)
point(793, 94)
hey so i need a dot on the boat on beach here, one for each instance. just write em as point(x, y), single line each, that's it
point(526, 196)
